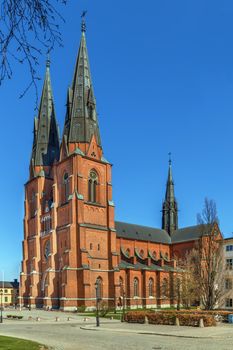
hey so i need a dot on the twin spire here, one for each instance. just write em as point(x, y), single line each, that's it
point(46, 135)
point(81, 116)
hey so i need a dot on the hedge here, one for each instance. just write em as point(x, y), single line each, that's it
point(169, 318)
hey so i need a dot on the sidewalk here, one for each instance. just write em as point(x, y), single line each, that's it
point(221, 331)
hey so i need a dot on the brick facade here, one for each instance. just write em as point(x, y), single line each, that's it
point(70, 237)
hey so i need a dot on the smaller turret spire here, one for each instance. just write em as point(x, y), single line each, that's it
point(170, 208)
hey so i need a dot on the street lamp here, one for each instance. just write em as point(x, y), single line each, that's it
point(1, 318)
point(97, 304)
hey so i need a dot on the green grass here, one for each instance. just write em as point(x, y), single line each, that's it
point(8, 343)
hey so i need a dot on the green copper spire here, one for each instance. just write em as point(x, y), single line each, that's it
point(46, 136)
point(170, 208)
point(81, 121)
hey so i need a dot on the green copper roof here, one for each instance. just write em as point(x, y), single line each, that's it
point(46, 136)
point(81, 118)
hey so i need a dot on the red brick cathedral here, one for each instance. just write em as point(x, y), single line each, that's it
point(73, 248)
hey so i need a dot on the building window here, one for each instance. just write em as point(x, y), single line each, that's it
point(229, 248)
point(33, 205)
point(121, 285)
point(66, 189)
point(6, 299)
point(135, 287)
point(6, 291)
point(151, 287)
point(229, 264)
point(99, 288)
point(98, 246)
point(228, 284)
point(92, 187)
point(164, 289)
point(91, 246)
point(229, 302)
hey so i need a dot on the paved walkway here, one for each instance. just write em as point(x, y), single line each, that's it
point(77, 334)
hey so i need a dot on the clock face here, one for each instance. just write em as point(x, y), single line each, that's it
point(47, 249)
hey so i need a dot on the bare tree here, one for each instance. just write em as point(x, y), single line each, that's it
point(208, 259)
point(185, 289)
point(28, 28)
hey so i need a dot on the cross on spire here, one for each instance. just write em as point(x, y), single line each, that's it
point(83, 24)
point(169, 159)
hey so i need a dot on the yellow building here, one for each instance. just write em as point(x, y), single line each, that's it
point(9, 293)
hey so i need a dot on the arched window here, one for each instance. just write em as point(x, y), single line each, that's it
point(151, 287)
point(99, 288)
point(154, 255)
point(33, 205)
point(164, 289)
point(121, 285)
point(92, 187)
point(66, 189)
point(135, 287)
point(142, 253)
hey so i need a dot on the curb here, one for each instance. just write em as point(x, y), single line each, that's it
point(95, 329)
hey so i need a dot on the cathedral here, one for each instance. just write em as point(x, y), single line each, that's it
point(73, 249)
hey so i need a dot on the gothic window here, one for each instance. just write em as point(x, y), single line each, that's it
point(91, 246)
point(135, 287)
point(92, 187)
point(33, 205)
point(66, 190)
point(98, 246)
point(99, 288)
point(47, 249)
point(121, 285)
point(164, 289)
point(151, 287)
point(142, 253)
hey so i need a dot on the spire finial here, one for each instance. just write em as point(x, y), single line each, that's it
point(83, 24)
point(48, 60)
point(169, 158)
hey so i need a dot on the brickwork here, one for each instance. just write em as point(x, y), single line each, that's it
point(70, 241)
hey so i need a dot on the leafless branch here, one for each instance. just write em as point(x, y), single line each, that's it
point(28, 28)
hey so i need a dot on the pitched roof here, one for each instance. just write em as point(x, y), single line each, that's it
point(6, 284)
point(151, 234)
point(141, 233)
point(187, 234)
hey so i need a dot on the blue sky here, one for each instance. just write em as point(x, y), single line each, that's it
point(163, 80)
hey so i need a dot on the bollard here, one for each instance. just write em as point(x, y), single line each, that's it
point(29, 318)
point(201, 323)
point(38, 319)
point(177, 322)
point(146, 320)
point(57, 319)
point(85, 319)
point(68, 318)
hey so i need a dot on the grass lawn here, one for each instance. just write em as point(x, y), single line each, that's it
point(8, 343)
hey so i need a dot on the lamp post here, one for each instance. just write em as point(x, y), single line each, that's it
point(97, 304)
point(1, 318)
